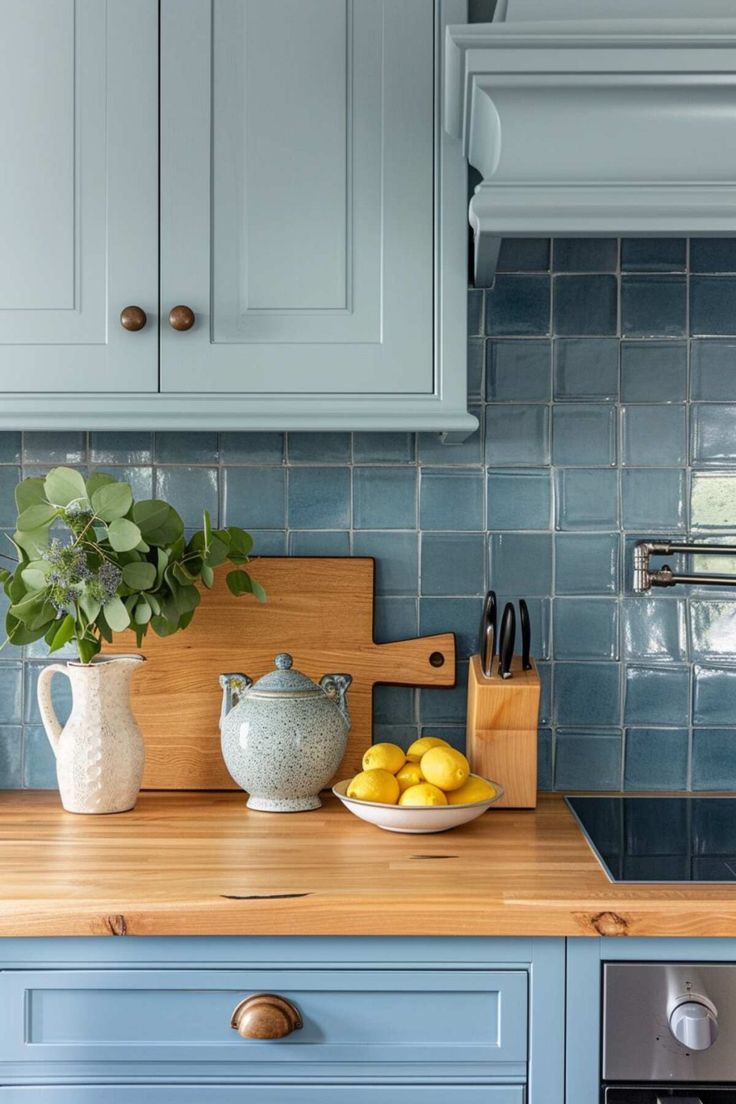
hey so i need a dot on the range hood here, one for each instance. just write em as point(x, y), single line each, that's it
point(596, 118)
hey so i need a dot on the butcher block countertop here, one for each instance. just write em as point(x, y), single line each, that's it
point(201, 864)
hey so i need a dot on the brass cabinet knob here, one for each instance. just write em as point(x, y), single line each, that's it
point(266, 1016)
point(181, 318)
point(133, 318)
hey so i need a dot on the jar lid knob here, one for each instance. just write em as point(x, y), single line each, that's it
point(283, 661)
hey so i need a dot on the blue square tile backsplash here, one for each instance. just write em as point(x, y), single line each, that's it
point(603, 374)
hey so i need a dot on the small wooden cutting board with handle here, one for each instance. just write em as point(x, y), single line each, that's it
point(318, 609)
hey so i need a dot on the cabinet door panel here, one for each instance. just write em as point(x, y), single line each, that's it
point(297, 195)
point(263, 1094)
point(78, 194)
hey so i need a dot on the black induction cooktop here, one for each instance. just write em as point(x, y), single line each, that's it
point(661, 839)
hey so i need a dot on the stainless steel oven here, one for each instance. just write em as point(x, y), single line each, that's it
point(669, 1033)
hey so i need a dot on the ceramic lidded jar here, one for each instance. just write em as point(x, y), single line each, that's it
point(284, 737)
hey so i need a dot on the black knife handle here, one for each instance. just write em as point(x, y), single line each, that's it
point(508, 639)
point(526, 635)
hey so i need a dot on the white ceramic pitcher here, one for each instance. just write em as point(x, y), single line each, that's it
point(99, 751)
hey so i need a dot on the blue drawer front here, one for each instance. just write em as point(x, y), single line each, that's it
point(264, 1094)
point(474, 1021)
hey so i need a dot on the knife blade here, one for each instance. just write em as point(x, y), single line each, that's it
point(508, 639)
point(487, 641)
point(526, 635)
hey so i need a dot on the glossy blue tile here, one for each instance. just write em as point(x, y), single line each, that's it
point(518, 306)
point(713, 255)
point(521, 563)
point(544, 670)
point(653, 498)
point(453, 734)
point(655, 629)
point(585, 628)
point(712, 305)
point(475, 312)
point(269, 542)
point(654, 306)
point(585, 305)
point(254, 498)
point(517, 435)
point(187, 448)
point(656, 759)
point(519, 371)
point(519, 499)
point(653, 436)
point(10, 447)
point(657, 695)
point(39, 765)
point(587, 498)
point(9, 479)
point(319, 542)
point(714, 759)
point(585, 254)
point(714, 699)
point(713, 629)
point(318, 448)
point(54, 448)
point(653, 254)
point(394, 705)
point(587, 693)
point(540, 617)
point(458, 615)
point(445, 706)
point(11, 694)
point(403, 735)
point(713, 500)
point(11, 757)
point(383, 448)
point(121, 448)
point(653, 371)
point(545, 760)
point(395, 619)
point(453, 563)
point(713, 436)
point(433, 451)
point(713, 373)
point(588, 760)
point(524, 255)
point(476, 357)
point(586, 563)
point(584, 434)
point(252, 448)
point(384, 498)
point(397, 560)
point(319, 498)
point(586, 369)
point(140, 479)
point(190, 491)
point(451, 499)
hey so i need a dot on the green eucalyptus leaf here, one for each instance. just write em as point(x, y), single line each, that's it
point(34, 517)
point(20, 634)
point(240, 541)
point(64, 633)
point(182, 574)
point(116, 615)
point(97, 480)
point(34, 543)
point(187, 599)
point(142, 613)
point(30, 492)
point(64, 485)
point(139, 575)
point(123, 535)
point(259, 592)
point(239, 582)
point(159, 523)
point(111, 501)
point(34, 577)
point(208, 575)
point(153, 603)
point(162, 626)
point(217, 553)
point(102, 627)
point(90, 607)
point(89, 647)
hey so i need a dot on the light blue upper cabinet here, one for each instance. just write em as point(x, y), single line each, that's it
point(78, 202)
point(311, 231)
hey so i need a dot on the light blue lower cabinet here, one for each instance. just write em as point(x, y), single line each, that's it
point(264, 1094)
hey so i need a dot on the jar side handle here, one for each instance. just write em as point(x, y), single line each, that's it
point(336, 688)
point(233, 686)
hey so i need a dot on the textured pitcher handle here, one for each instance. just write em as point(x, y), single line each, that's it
point(51, 722)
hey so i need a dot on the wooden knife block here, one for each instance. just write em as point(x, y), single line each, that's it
point(503, 715)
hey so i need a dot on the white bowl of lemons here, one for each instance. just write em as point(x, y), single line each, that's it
point(428, 788)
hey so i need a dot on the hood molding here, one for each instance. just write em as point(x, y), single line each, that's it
point(594, 127)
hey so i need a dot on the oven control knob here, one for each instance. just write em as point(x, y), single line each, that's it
point(694, 1024)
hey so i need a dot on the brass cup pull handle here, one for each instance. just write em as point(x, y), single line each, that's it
point(133, 318)
point(266, 1016)
point(181, 318)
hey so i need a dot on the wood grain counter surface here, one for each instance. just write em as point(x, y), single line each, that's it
point(202, 864)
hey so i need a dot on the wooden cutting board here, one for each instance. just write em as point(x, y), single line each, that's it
point(318, 609)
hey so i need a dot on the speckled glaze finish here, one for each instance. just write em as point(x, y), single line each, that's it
point(99, 751)
point(284, 737)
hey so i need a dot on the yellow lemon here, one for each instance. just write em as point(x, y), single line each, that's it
point(423, 794)
point(375, 785)
point(419, 747)
point(388, 757)
point(445, 767)
point(409, 775)
point(475, 789)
